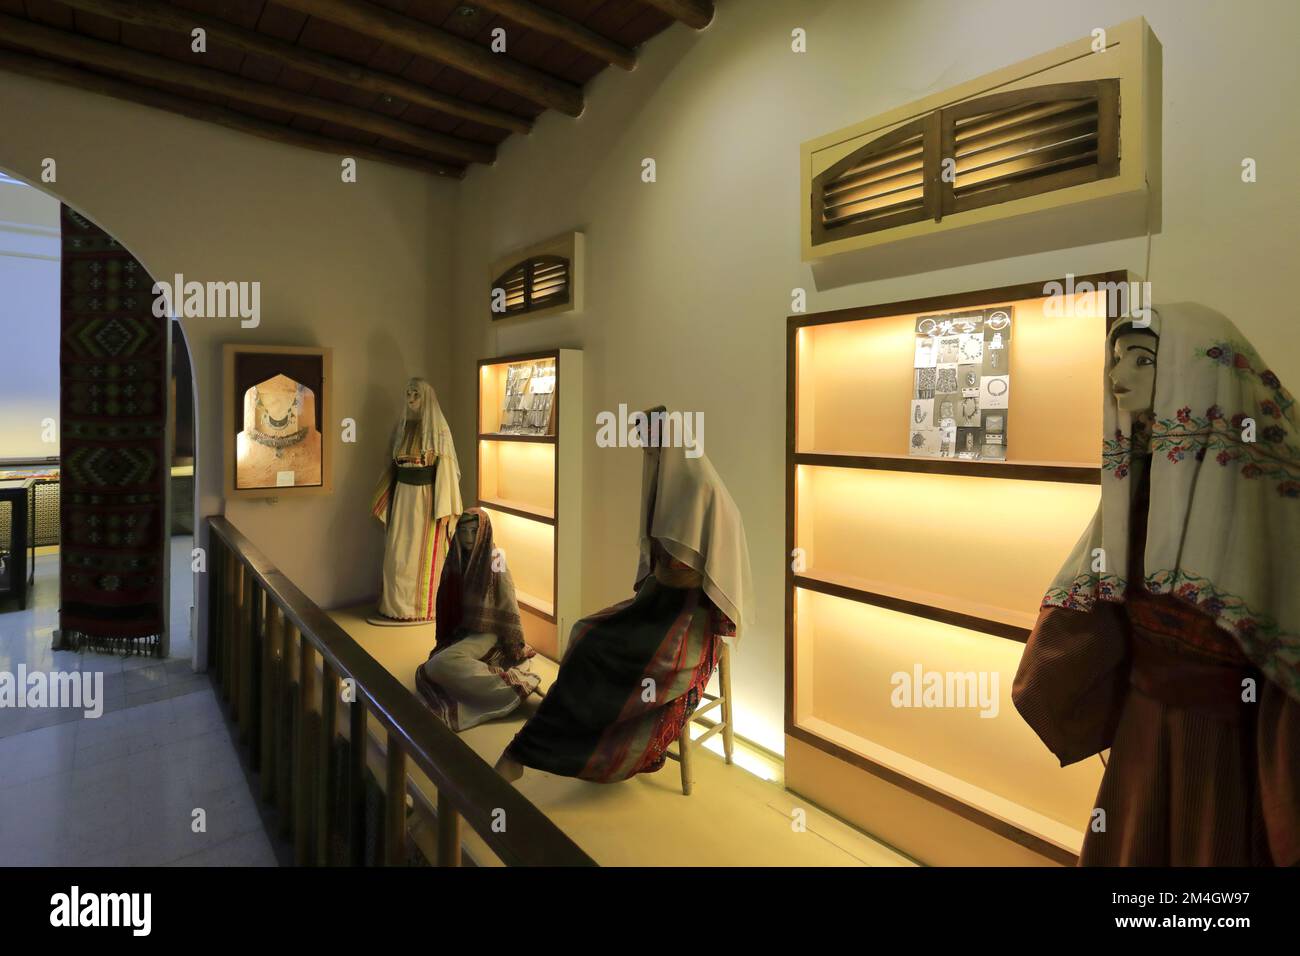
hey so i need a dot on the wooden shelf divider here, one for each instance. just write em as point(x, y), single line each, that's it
point(498, 436)
point(928, 611)
point(491, 505)
point(1072, 474)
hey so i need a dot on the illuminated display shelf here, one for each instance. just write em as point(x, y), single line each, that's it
point(899, 560)
point(530, 485)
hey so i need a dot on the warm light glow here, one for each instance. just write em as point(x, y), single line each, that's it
point(743, 756)
point(982, 546)
point(847, 655)
point(492, 391)
point(529, 548)
point(859, 374)
point(518, 475)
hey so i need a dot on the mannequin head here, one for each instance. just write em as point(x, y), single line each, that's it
point(1133, 369)
point(414, 400)
point(467, 530)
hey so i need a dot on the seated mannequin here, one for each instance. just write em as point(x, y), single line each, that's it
point(634, 673)
point(479, 669)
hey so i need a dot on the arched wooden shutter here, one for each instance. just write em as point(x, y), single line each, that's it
point(988, 150)
point(539, 282)
point(1024, 142)
point(877, 186)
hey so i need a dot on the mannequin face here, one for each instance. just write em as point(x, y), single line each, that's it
point(413, 400)
point(1133, 372)
point(467, 531)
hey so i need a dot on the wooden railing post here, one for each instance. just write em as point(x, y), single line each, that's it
point(229, 621)
point(357, 782)
point(248, 625)
point(216, 565)
point(448, 832)
point(329, 695)
point(237, 637)
point(302, 752)
point(395, 805)
point(285, 742)
point(268, 687)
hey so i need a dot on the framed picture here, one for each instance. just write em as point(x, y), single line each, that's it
point(961, 372)
point(276, 402)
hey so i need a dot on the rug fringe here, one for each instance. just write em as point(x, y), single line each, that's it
point(147, 646)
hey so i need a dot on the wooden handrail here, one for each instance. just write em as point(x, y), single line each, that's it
point(463, 779)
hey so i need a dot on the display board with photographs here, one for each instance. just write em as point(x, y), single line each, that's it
point(529, 399)
point(276, 398)
point(961, 384)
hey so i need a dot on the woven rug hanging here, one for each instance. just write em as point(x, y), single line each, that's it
point(113, 366)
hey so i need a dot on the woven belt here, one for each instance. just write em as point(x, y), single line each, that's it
point(416, 476)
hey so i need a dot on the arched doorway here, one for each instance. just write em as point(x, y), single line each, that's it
point(123, 451)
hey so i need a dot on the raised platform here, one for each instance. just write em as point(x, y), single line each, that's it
point(733, 818)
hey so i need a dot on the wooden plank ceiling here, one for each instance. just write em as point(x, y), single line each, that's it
point(411, 82)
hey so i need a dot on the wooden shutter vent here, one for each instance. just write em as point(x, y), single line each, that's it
point(980, 152)
point(539, 282)
point(876, 187)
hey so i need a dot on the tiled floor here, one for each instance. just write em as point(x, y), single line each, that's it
point(126, 788)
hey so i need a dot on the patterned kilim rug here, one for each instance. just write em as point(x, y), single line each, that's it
point(114, 412)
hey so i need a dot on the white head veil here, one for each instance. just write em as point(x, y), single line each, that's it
point(434, 434)
point(1223, 531)
point(688, 510)
point(433, 437)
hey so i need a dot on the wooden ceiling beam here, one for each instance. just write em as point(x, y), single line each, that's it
point(164, 16)
point(111, 56)
point(415, 36)
point(557, 25)
point(693, 13)
point(65, 75)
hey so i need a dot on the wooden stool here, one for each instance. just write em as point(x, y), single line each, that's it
point(684, 742)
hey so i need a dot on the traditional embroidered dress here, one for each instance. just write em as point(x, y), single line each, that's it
point(1152, 654)
point(418, 499)
point(479, 668)
point(633, 673)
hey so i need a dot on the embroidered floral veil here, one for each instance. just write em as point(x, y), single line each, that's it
point(1224, 526)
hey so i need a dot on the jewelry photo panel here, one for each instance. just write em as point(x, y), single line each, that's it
point(961, 385)
point(276, 400)
point(529, 399)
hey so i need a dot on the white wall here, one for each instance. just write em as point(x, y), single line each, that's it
point(357, 267)
point(689, 279)
point(29, 321)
